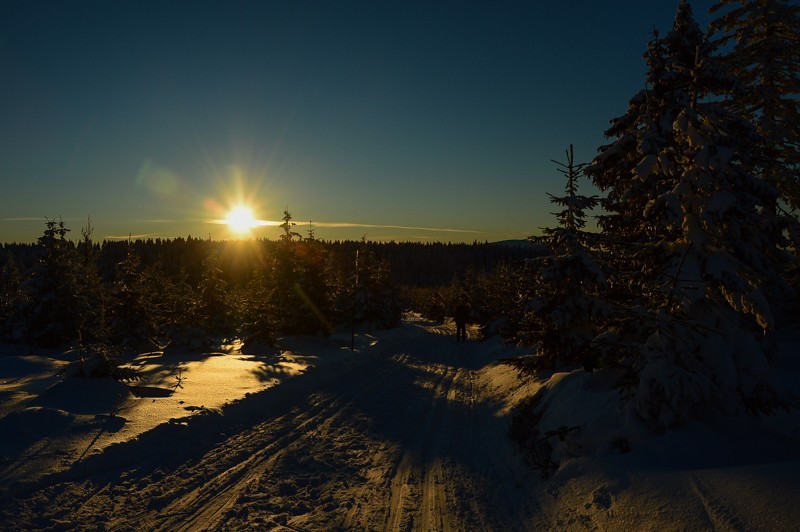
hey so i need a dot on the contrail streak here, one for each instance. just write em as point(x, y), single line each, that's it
point(132, 237)
point(342, 225)
point(380, 226)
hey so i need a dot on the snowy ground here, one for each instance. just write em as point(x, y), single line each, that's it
point(408, 432)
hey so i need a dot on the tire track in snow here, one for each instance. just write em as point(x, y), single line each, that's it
point(414, 466)
point(404, 437)
point(455, 476)
point(435, 513)
point(720, 516)
point(205, 505)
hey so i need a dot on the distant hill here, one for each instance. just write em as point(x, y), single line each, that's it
point(523, 243)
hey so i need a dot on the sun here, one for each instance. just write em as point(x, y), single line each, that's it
point(241, 220)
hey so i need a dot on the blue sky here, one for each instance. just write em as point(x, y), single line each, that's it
point(397, 120)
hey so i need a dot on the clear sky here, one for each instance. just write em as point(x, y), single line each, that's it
point(408, 120)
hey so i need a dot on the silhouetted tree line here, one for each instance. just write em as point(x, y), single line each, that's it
point(144, 294)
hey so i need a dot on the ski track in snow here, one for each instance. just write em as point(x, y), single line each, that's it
point(399, 439)
point(409, 433)
point(720, 516)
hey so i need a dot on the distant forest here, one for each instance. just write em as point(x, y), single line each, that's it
point(189, 292)
point(426, 264)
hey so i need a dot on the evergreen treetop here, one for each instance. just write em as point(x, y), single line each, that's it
point(762, 43)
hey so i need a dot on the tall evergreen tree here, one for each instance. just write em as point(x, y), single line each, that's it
point(51, 308)
point(288, 234)
point(258, 315)
point(692, 256)
point(213, 310)
point(94, 323)
point(173, 308)
point(283, 280)
point(568, 310)
point(133, 315)
point(300, 284)
point(762, 43)
point(11, 295)
point(372, 290)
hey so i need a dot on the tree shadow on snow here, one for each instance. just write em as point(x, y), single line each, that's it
point(426, 413)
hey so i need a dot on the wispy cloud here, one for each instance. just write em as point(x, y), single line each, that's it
point(355, 225)
point(405, 227)
point(178, 221)
point(132, 237)
point(36, 219)
point(345, 225)
point(267, 223)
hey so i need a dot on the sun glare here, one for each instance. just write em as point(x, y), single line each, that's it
point(241, 220)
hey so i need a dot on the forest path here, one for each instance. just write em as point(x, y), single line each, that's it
point(406, 435)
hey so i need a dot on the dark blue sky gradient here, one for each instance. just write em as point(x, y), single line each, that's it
point(155, 117)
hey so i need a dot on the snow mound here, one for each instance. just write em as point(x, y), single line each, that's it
point(34, 422)
point(84, 396)
point(23, 427)
point(579, 415)
point(583, 414)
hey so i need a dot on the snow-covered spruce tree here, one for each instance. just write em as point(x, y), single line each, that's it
point(491, 292)
point(133, 316)
point(313, 289)
point(93, 331)
point(568, 309)
point(212, 309)
point(256, 307)
point(762, 43)
point(761, 39)
point(288, 234)
point(290, 317)
point(373, 291)
point(358, 291)
point(51, 307)
point(691, 256)
point(10, 294)
point(173, 304)
point(61, 301)
point(300, 285)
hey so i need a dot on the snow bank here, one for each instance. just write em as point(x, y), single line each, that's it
point(407, 431)
point(583, 416)
point(48, 422)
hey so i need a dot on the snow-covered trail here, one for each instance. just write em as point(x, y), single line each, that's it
point(405, 435)
point(408, 433)
point(448, 461)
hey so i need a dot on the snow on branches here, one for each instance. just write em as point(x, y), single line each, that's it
point(562, 319)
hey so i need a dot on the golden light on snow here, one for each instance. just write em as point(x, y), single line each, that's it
point(241, 220)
